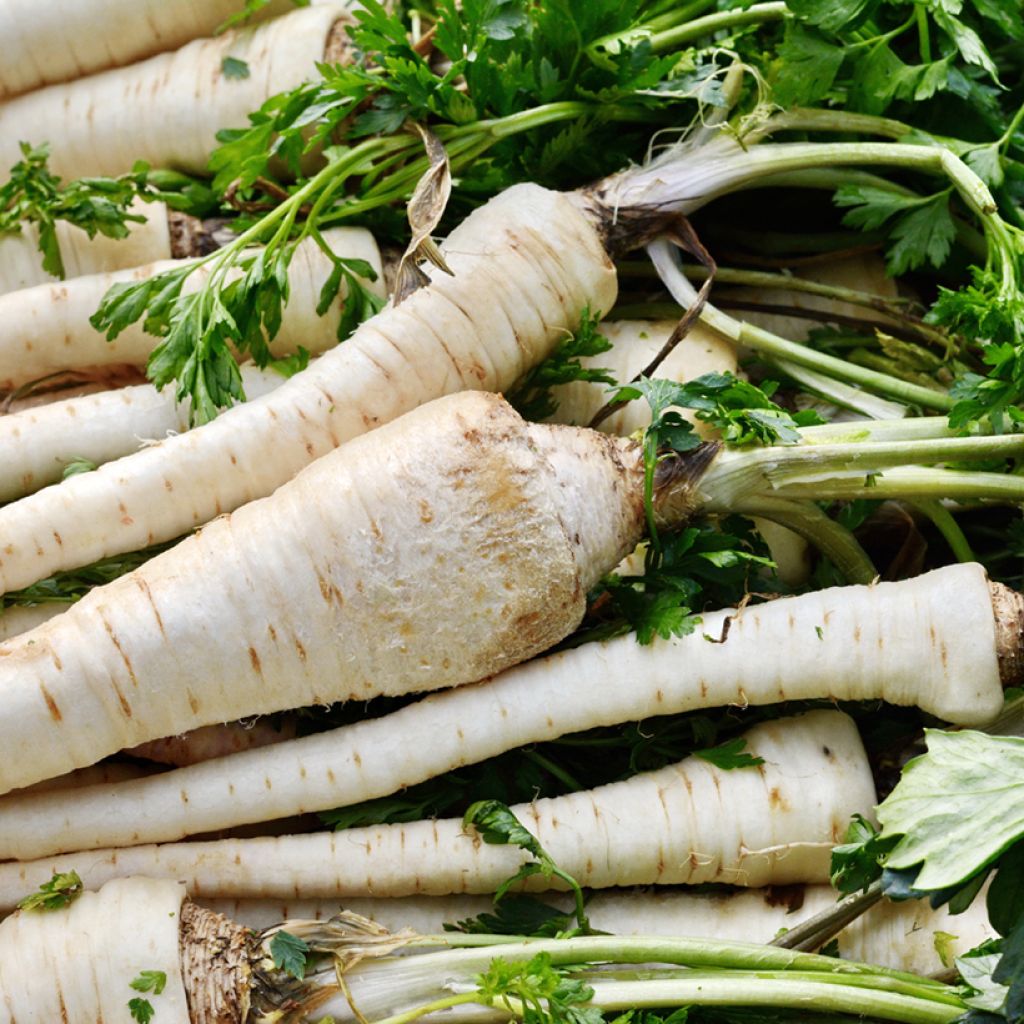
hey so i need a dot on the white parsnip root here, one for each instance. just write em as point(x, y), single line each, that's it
point(20, 619)
point(525, 266)
point(168, 109)
point(37, 445)
point(469, 535)
point(77, 964)
point(58, 42)
point(46, 329)
point(688, 823)
point(21, 263)
point(893, 641)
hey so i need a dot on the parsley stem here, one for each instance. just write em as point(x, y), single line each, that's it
point(924, 43)
point(832, 539)
point(690, 32)
point(914, 482)
point(947, 525)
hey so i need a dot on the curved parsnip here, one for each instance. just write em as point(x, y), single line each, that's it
point(525, 265)
point(46, 329)
point(635, 343)
point(893, 641)
point(901, 935)
point(60, 41)
point(21, 263)
point(168, 109)
point(685, 824)
point(37, 445)
point(448, 545)
point(77, 964)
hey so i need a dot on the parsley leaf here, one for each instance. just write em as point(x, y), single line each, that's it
point(150, 981)
point(60, 891)
point(141, 1010)
point(730, 755)
point(289, 954)
point(233, 67)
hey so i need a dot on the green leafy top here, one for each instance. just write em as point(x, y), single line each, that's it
point(35, 195)
point(541, 992)
point(60, 891)
point(289, 954)
point(497, 825)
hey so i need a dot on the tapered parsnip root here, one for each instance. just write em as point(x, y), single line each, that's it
point(21, 263)
point(469, 537)
point(54, 42)
point(168, 109)
point(685, 824)
point(898, 935)
point(77, 964)
point(46, 329)
point(893, 641)
point(525, 266)
point(37, 445)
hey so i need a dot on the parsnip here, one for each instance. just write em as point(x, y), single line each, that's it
point(21, 264)
point(82, 980)
point(898, 935)
point(469, 537)
point(46, 329)
point(893, 642)
point(60, 41)
point(37, 445)
point(525, 266)
point(167, 110)
point(215, 741)
point(687, 823)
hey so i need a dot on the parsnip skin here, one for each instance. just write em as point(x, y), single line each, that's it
point(685, 824)
point(17, 620)
point(61, 41)
point(525, 265)
point(37, 445)
point(46, 329)
point(76, 964)
point(21, 263)
point(443, 548)
point(912, 652)
point(168, 109)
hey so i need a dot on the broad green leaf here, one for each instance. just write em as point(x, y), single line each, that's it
point(957, 807)
point(730, 755)
point(289, 954)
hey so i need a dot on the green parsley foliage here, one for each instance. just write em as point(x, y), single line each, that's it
point(699, 566)
point(541, 992)
point(35, 195)
point(497, 825)
point(857, 862)
point(730, 755)
point(248, 10)
point(921, 227)
point(289, 954)
point(232, 67)
point(60, 891)
point(141, 1010)
point(517, 914)
point(149, 981)
point(531, 396)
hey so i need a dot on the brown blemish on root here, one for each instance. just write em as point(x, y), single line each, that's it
point(51, 704)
